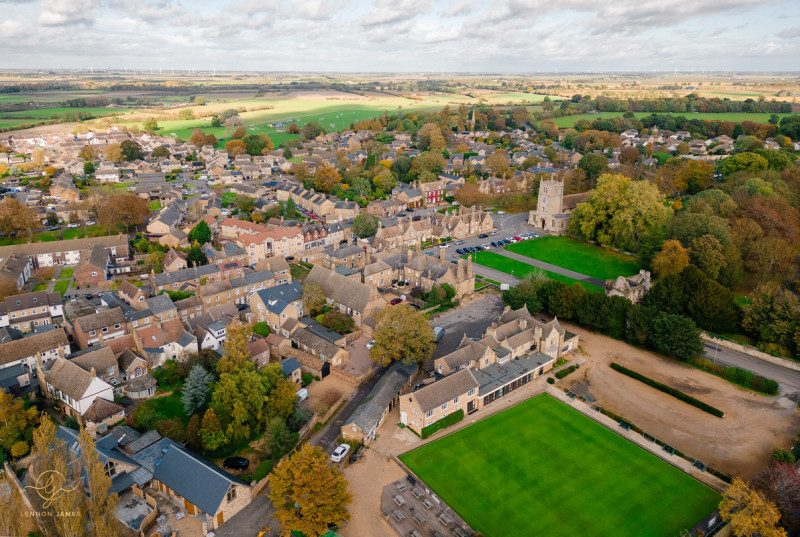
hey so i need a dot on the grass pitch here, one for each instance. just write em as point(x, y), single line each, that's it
point(542, 468)
point(520, 269)
point(581, 257)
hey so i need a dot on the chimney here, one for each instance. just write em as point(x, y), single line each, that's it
point(92, 372)
point(409, 254)
point(469, 267)
point(442, 254)
point(460, 269)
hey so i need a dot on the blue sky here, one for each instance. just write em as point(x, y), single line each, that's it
point(499, 36)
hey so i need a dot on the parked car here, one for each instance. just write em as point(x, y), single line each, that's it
point(91, 223)
point(396, 301)
point(236, 463)
point(302, 394)
point(340, 452)
point(483, 236)
point(410, 210)
point(517, 238)
point(485, 246)
point(401, 214)
point(494, 243)
point(501, 212)
point(459, 241)
point(459, 251)
point(416, 306)
point(445, 246)
point(370, 344)
point(493, 233)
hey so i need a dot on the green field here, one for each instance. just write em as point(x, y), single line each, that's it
point(569, 121)
point(170, 406)
point(520, 269)
point(66, 273)
point(40, 287)
point(47, 113)
point(578, 256)
point(542, 468)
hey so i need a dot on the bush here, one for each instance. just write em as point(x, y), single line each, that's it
point(264, 468)
point(738, 376)
point(564, 372)
point(443, 423)
point(677, 394)
point(551, 380)
point(307, 378)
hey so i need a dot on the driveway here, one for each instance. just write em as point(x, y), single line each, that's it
point(249, 520)
point(329, 434)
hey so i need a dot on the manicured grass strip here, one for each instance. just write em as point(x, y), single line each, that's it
point(520, 269)
point(40, 287)
point(447, 421)
point(677, 394)
point(170, 406)
point(66, 273)
point(581, 257)
point(543, 468)
point(61, 287)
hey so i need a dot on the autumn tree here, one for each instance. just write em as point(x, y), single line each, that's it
point(235, 356)
point(235, 147)
point(161, 151)
point(239, 132)
point(131, 150)
point(245, 203)
point(16, 425)
point(313, 297)
point(619, 213)
point(101, 505)
point(113, 152)
point(186, 114)
point(56, 468)
point(780, 484)
point(402, 334)
point(308, 493)
point(211, 433)
point(748, 512)
point(11, 520)
point(469, 194)
point(593, 164)
point(707, 254)
point(326, 178)
point(497, 163)
point(17, 217)
point(672, 259)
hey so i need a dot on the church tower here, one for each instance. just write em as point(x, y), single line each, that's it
point(549, 204)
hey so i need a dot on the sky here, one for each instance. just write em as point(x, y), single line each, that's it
point(474, 36)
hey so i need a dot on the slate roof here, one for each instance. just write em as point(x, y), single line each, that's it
point(99, 358)
point(18, 349)
point(160, 304)
point(29, 300)
point(390, 384)
point(195, 479)
point(187, 274)
point(434, 395)
point(288, 292)
point(289, 365)
point(70, 378)
point(340, 289)
point(101, 409)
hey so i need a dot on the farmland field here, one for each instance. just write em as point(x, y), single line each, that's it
point(47, 113)
point(520, 269)
point(569, 121)
point(542, 468)
point(579, 256)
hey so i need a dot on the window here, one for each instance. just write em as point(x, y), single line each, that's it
point(231, 494)
point(116, 325)
point(456, 400)
point(429, 414)
point(471, 392)
point(444, 406)
point(105, 329)
point(92, 332)
point(94, 274)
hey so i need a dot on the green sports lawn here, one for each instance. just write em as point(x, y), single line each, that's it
point(542, 468)
point(520, 269)
point(581, 257)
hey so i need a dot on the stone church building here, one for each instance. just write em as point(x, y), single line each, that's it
point(554, 208)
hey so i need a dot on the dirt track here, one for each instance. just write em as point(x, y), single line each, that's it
point(740, 444)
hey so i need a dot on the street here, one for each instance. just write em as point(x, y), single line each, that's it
point(787, 378)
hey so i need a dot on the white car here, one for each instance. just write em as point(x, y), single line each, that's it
point(501, 212)
point(493, 233)
point(340, 452)
point(370, 344)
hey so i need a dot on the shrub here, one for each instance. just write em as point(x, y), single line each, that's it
point(307, 378)
point(742, 377)
point(443, 423)
point(551, 380)
point(677, 394)
point(564, 372)
point(783, 455)
point(264, 468)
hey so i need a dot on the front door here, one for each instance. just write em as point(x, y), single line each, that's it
point(189, 506)
point(470, 407)
point(219, 519)
point(404, 418)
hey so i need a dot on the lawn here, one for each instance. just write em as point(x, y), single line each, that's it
point(569, 121)
point(542, 468)
point(155, 205)
point(578, 256)
point(520, 269)
point(66, 273)
point(61, 287)
point(170, 406)
point(40, 287)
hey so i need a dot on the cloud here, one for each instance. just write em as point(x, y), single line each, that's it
point(789, 33)
point(718, 31)
point(11, 28)
point(459, 9)
point(386, 12)
point(67, 12)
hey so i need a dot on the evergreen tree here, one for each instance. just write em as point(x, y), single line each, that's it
point(196, 390)
point(200, 233)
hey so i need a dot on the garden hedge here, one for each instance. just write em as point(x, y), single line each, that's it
point(566, 371)
point(443, 423)
point(677, 394)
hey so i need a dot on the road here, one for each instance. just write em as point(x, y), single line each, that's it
point(787, 378)
point(328, 436)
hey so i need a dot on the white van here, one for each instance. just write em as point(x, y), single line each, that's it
point(302, 393)
point(438, 332)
